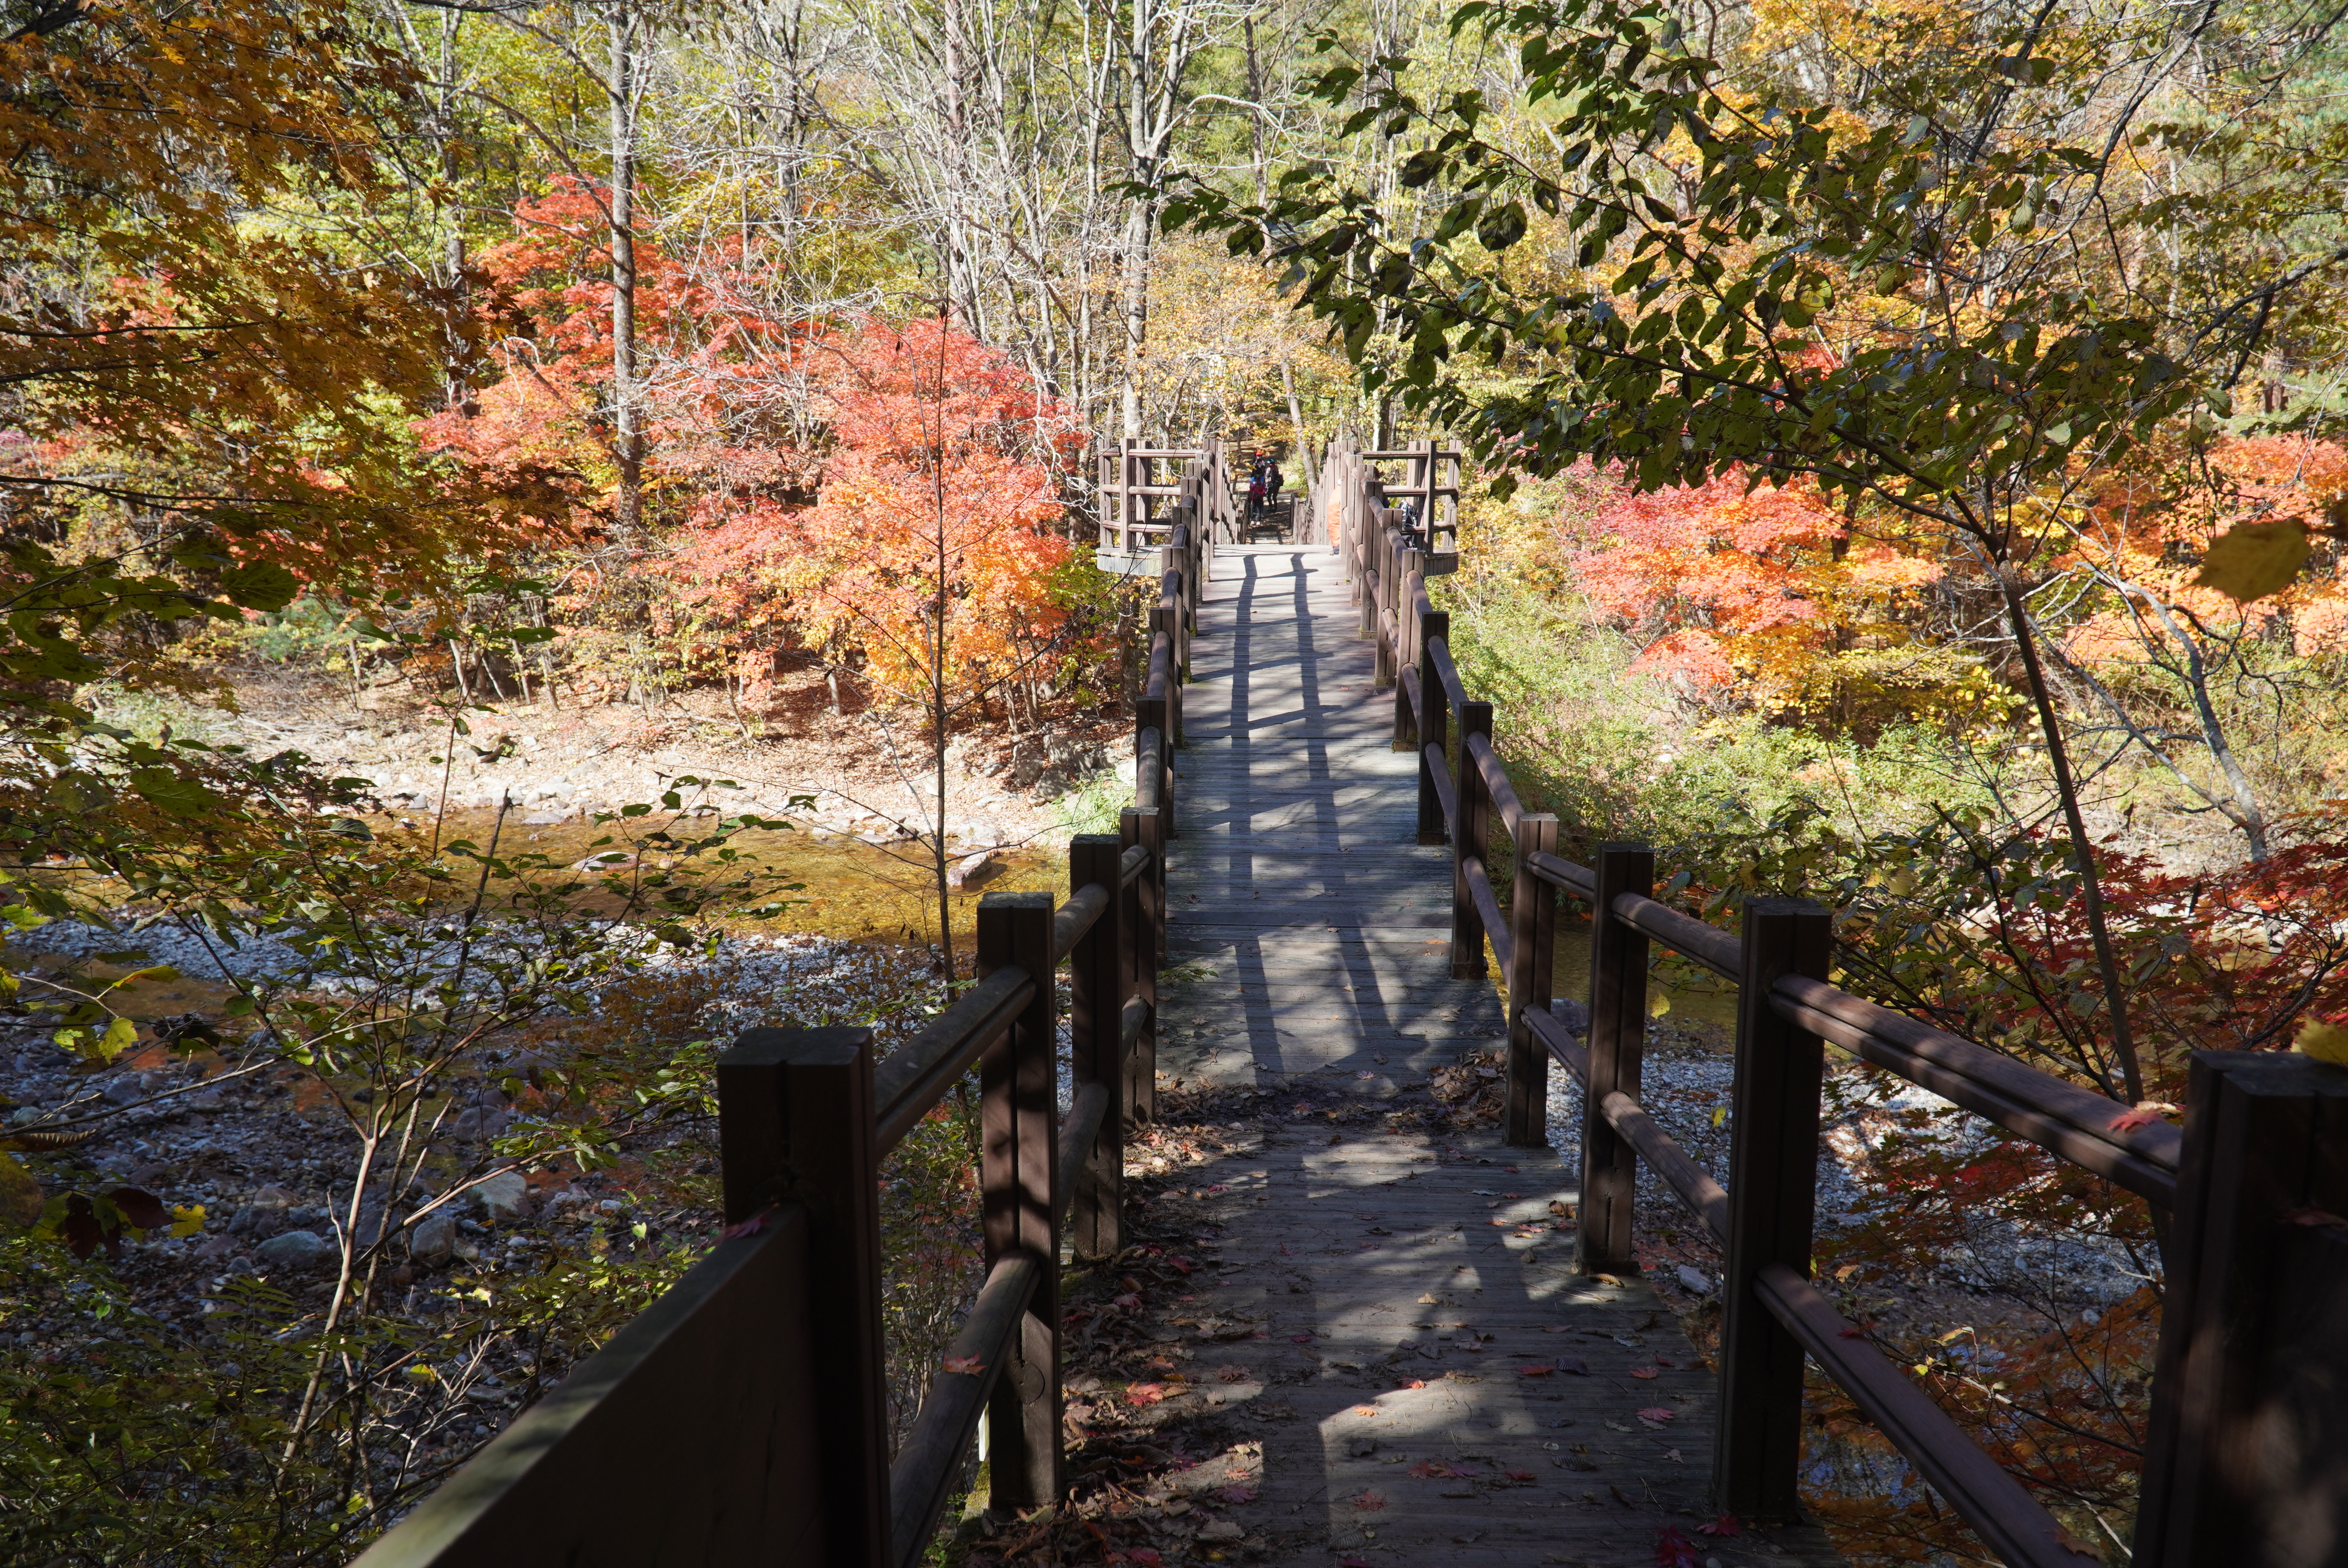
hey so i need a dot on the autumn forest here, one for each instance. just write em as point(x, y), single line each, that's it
point(540, 534)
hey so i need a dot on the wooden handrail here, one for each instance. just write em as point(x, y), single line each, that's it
point(519, 1499)
point(2072, 1122)
point(2057, 1116)
point(1439, 653)
point(910, 1079)
point(2011, 1522)
point(1708, 945)
point(1559, 872)
point(764, 1369)
point(1075, 917)
point(1087, 1109)
point(1496, 782)
point(1487, 905)
point(928, 1463)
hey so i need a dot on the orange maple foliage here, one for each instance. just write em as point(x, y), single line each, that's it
point(201, 321)
point(2137, 532)
point(545, 422)
point(933, 461)
point(1728, 587)
point(940, 487)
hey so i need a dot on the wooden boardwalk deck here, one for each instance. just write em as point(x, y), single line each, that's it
point(1404, 1281)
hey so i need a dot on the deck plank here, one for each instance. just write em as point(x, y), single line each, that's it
point(1400, 1283)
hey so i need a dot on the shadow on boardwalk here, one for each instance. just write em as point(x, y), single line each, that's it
point(1388, 1310)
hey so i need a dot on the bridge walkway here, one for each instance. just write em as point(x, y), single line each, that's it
point(1432, 1377)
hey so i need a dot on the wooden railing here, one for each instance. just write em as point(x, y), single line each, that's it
point(1131, 520)
point(2246, 1461)
point(741, 1417)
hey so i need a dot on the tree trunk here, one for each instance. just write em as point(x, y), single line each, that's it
point(627, 436)
point(2083, 854)
point(1139, 214)
point(453, 242)
point(1296, 421)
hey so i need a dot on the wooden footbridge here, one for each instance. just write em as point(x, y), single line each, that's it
point(1298, 905)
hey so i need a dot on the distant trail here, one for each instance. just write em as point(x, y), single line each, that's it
point(1310, 951)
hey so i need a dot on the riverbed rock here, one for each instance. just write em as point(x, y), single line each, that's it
point(434, 1239)
point(294, 1249)
point(1570, 1013)
point(504, 1196)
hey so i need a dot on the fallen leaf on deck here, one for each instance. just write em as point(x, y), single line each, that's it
point(1365, 1409)
point(1369, 1501)
point(1654, 1413)
point(1415, 1383)
point(1673, 1550)
point(1574, 1364)
point(1540, 1371)
point(1234, 1374)
point(1519, 1474)
point(1125, 1300)
point(1642, 1371)
point(1145, 1393)
point(1430, 1470)
point(1235, 1493)
point(1300, 1338)
point(1725, 1525)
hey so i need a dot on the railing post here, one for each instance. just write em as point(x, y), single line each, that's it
point(1532, 958)
point(1618, 1037)
point(1156, 822)
point(1469, 837)
point(1018, 1189)
point(1428, 484)
point(1773, 1168)
point(2244, 1464)
point(795, 1122)
point(1434, 722)
point(1153, 751)
point(1136, 471)
point(1096, 1051)
point(1405, 730)
point(1139, 924)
